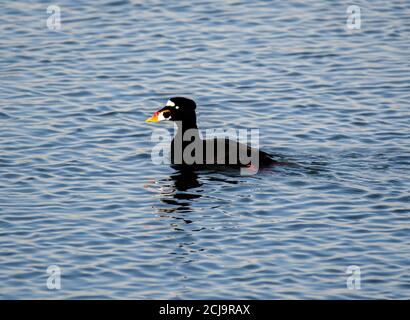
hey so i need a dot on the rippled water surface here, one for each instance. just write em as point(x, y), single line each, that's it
point(78, 188)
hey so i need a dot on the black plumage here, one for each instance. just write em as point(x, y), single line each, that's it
point(187, 147)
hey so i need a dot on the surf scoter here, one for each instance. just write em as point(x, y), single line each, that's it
point(187, 148)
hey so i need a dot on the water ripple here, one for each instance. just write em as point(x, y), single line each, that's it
point(78, 188)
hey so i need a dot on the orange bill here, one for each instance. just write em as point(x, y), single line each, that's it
point(154, 118)
point(158, 116)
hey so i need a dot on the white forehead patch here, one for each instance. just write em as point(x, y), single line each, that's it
point(170, 104)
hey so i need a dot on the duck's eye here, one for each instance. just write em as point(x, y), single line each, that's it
point(166, 114)
point(177, 107)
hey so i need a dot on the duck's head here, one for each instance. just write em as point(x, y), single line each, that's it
point(176, 109)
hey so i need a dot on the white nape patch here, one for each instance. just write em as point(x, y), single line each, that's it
point(170, 104)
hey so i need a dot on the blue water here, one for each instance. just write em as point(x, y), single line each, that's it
point(78, 188)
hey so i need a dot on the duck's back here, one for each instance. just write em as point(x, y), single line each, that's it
point(217, 151)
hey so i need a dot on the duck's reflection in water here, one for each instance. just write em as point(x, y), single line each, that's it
point(177, 195)
point(185, 206)
point(178, 192)
point(183, 180)
point(183, 188)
